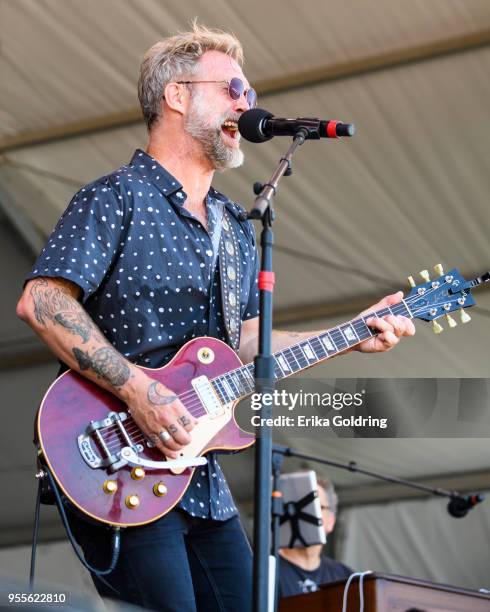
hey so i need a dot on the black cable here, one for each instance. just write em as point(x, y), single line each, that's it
point(116, 537)
point(35, 533)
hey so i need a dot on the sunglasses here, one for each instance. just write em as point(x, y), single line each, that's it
point(236, 89)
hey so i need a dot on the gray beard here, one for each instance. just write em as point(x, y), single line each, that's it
point(210, 136)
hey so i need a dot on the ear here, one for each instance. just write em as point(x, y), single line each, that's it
point(176, 96)
point(331, 522)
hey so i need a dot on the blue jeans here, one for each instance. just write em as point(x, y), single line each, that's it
point(175, 564)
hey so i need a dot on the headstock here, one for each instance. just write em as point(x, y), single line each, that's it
point(439, 297)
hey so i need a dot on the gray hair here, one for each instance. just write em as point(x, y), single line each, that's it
point(327, 486)
point(175, 58)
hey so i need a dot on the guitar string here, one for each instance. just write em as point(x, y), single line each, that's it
point(229, 376)
point(245, 384)
point(297, 347)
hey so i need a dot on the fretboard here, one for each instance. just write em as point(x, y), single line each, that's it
point(240, 382)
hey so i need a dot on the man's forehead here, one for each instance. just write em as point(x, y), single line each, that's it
point(218, 65)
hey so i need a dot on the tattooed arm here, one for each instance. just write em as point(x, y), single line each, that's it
point(51, 307)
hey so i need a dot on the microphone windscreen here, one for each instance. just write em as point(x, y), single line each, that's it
point(250, 122)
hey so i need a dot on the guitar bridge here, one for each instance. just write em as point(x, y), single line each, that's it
point(104, 458)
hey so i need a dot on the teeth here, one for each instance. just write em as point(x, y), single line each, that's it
point(230, 124)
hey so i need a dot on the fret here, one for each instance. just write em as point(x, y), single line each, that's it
point(318, 347)
point(292, 361)
point(283, 363)
point(242, 381)
point(350, 334)
point(278, 373)
point(227, 387)
point(308, 351)
point(302, 354)
point(248, 376)
point(328, 344)
point(218, 384)
point(362, 330)
point(299, 356)
point(232, 383)
point(338, 339)
point(402, 309)
point(278, 358)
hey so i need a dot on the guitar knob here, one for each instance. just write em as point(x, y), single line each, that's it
point(464, 316)
point(110, 487)
point(451, 322)
point(411, 282)
point(425, 275)
point(159, 489)
point(137, 473)
point(438, 270)
point(132, 501)
point(436, 328)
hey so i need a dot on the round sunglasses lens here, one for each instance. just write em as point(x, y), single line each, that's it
point(236, 88)
point(252, 98)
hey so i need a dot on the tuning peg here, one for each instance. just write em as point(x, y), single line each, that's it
point(436, 328)
point(411, 282)
point(450, 321)
point(438, 269)
point(425, 275)
point(464, 316)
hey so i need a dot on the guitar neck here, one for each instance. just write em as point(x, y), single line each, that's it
point(239, 383)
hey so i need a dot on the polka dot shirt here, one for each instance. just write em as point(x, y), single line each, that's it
point(150, 278)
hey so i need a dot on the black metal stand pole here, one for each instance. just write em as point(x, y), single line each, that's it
point(264, 383)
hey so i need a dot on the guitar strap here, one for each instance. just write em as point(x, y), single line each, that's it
point(229, 268)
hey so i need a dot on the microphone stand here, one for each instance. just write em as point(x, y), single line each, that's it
point(264, 380)
point(458, 504)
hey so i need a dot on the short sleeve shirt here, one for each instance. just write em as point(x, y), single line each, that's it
point(150, 278)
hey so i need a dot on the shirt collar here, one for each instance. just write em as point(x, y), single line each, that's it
point(153, 171)
point(149, 167)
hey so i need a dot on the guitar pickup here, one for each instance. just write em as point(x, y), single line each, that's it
point(208, 396)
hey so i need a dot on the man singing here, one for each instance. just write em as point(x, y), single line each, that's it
point(130, 273)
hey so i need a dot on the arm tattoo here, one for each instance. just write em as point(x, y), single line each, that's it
point(79, 324)
point(156, 398)
point(53, 304)
point(48, 301)
point(106, 362)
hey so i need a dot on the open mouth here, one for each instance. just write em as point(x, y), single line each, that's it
point(230, 128)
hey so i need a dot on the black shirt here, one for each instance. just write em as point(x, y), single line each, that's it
point(295, 580)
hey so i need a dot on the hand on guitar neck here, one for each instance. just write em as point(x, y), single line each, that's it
point(391, 327)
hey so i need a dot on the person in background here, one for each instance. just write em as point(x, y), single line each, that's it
point(303, 570)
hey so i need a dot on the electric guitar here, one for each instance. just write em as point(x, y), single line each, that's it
point(109, 470)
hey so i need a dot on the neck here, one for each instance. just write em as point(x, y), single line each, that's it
point(183, 157)
point(307, 558)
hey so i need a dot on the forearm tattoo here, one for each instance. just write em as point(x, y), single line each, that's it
point(49, 301)
point(106, 362)
point(53, 304)
point(156, 398)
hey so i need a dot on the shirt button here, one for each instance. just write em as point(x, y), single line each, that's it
point(209, 252)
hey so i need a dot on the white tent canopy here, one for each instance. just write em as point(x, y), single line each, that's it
point(410, 190)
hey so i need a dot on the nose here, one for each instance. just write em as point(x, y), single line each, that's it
point(241, 105)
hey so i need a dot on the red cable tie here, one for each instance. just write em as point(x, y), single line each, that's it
point(266, 281)
point(332, 129)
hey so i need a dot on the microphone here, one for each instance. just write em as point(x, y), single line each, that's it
point(258, 125)
point(461, 505)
